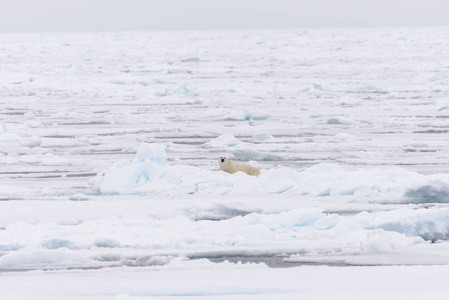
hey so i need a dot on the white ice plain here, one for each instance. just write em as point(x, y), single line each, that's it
point(108, 142)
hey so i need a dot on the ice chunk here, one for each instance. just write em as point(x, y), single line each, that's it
point(224, 140)
point(264, 137)
point(57, 243)
point(291, 219)
point(181, 90)
point(191, 59)
point(247, 154)
point(327, 222)
point(125, 178)
point(154, 260)
point(380, 241)
point(340, 121)
point(429, 224)
point(24, 259)
point(436, 191)
point(256, 116)
point(151, 152)
point(19, 138)
point(106, 243)
point(317, 86)
point(32, 141)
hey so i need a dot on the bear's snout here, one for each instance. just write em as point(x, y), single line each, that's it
point(222, 160)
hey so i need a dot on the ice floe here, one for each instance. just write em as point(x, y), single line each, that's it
point(17, 137)
point(149, 173)
point(306, 230)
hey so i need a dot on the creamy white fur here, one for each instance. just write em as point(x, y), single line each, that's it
point(231, 167)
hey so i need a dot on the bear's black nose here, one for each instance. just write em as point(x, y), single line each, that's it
point(222, 160)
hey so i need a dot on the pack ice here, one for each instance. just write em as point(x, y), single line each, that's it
point(108, 141)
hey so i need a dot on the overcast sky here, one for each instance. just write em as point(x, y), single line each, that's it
point(96, 15)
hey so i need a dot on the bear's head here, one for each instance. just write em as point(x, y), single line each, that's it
point(223, 161)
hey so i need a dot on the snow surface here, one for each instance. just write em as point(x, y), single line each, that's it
point(108, 142)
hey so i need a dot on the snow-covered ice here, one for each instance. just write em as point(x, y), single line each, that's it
point(108, 143)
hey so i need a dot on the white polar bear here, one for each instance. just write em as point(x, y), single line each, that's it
point(231, 167)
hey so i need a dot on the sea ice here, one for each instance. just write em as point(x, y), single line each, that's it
point(356, 173)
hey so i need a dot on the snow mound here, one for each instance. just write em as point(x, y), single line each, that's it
point(149, 173)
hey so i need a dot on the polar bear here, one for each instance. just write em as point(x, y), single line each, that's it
point(231, 167)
